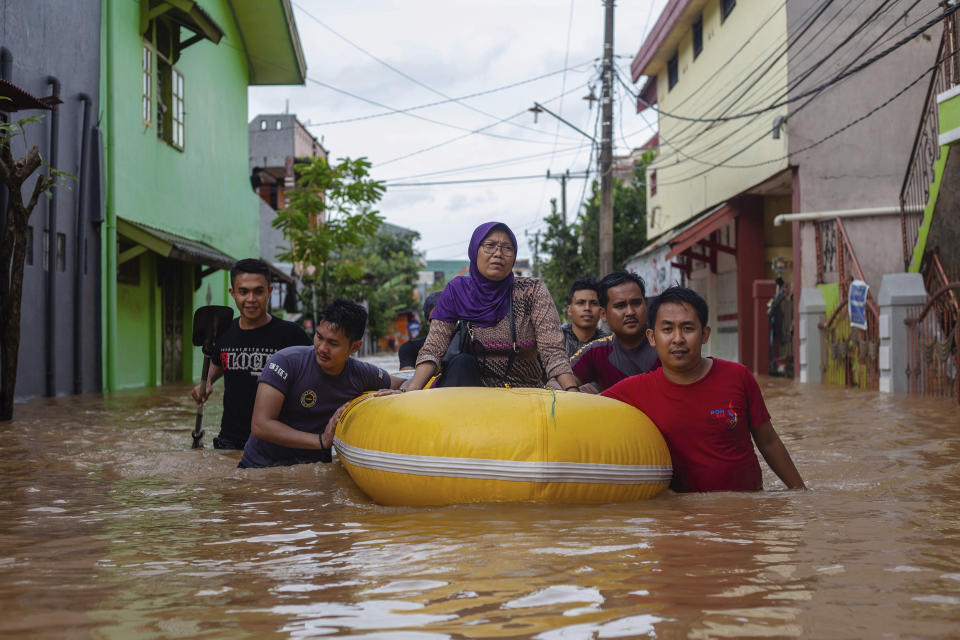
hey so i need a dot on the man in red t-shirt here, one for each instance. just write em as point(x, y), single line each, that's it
point(710, 411)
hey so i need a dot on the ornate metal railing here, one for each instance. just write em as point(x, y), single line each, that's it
point(935, 277)
point(849, 356)
point(915, 191)
point(933, 357)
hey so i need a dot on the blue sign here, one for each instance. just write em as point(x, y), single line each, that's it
point(857, 304)
point(413, 328)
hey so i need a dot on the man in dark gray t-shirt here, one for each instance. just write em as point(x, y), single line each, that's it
point(302, 387)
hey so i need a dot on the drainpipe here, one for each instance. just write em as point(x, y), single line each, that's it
point(79, 262)
point(109, 269)
point(6, 71)
point(843, 213)
point(51, 310)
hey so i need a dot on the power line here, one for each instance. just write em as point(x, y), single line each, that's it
point(442, 102)
point(473, 181)
point(457, 138)
point(431, 120)
point(400, 72)
point(837, 78)
point(679, 139)
point(811, 94)
point(833, 134)
point(486, 165)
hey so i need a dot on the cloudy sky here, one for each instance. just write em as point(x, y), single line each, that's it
point(370, 58)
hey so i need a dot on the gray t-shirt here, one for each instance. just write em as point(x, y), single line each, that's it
point(310, 398)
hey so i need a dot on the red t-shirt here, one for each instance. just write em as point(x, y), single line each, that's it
point(706, 424)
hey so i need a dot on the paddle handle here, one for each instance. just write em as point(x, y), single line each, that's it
point(197, 430)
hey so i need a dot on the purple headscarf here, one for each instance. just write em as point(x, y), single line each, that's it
point(477, 299)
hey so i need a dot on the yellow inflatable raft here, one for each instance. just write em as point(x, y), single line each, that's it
point(450, 446)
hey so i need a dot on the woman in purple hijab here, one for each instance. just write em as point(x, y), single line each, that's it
point(525, 352)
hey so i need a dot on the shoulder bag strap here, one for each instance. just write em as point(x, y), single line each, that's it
point(513, 337)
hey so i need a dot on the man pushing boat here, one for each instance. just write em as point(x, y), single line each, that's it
point(707, 409)
point(301, 388)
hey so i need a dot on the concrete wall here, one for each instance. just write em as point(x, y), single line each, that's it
point(276, 137)
point(270, 239)
point(711, 85)
point(59, 38)
point(945, 225)
point(877, 243)
point(864, 165)
point(271, 140)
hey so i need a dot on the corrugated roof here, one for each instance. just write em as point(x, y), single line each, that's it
point(13, 98)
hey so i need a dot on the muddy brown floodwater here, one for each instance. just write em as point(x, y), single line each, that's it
point(111, 527)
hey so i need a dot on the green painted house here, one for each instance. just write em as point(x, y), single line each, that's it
point(179, 206)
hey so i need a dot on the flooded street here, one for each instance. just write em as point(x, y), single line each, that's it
point(113, 528)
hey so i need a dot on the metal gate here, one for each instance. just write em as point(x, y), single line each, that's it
point(933, 359)
point(849, 356)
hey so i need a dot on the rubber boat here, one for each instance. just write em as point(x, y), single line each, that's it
point(463, 445)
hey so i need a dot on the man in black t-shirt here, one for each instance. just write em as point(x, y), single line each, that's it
point(241, 352)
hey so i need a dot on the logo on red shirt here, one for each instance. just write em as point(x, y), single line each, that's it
point(728, 417)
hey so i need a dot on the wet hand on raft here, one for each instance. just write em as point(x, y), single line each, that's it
point(326, 438)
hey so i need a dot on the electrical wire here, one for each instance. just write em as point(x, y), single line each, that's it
point(833, 134)
point(428, 105)
point(403, 73)
point(487, 165)
point(466, 135)
point(663, 162)
point(393, 185)
point(835, 79)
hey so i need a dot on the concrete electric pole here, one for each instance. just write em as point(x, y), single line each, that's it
point(563, 192)
point(606, 147)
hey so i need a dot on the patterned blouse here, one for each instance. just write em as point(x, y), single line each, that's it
point(540, 355)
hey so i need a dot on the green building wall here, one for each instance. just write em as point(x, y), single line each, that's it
point(202, 193)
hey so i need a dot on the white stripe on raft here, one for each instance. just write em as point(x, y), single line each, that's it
point(509, 470)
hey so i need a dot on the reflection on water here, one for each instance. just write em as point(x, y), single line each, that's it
point(112, 527)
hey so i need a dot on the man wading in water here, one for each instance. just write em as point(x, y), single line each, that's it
point(607, 361)
point(583, 309)
point(301, 389)
point(708, 409)
point(240, 353)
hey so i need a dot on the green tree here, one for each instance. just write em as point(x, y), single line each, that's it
point(14, 173)
point(629, 218)
point(389, 264)
point(571, 251)
point(329, 214)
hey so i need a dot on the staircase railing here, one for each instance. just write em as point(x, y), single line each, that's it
point(933, 356)
point(915, 191)
point(849, 355)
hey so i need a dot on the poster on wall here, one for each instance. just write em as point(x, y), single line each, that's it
point(857, 304)
point(656, 271)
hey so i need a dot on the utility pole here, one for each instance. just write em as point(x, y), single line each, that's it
point(536, 254)
point(563, 192)
point(606, 146)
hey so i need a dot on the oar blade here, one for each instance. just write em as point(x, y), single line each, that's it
point(209, 322)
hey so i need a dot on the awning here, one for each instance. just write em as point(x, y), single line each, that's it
point(169, 245)
point(277, 274)
point(13, 98)
point(648, 94)
point(700, 230)
point(185, 13)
